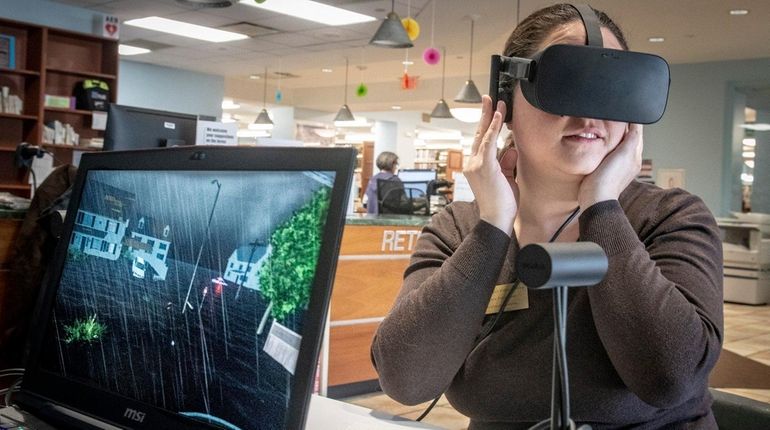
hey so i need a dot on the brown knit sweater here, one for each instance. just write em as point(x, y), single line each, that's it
point(640, 344)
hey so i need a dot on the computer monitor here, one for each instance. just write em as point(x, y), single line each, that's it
point(417, 178)
point(186, 293)
point(130, 127)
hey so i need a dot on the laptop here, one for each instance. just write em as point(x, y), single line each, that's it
point(188, 290)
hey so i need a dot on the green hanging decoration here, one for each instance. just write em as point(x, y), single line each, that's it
point(362, 90)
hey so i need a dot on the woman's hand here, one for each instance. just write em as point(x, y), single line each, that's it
point(494, 191)
point(616, 171)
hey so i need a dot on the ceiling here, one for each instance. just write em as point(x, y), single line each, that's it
point(694, 31)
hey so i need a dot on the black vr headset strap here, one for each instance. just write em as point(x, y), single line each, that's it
point(591, 24)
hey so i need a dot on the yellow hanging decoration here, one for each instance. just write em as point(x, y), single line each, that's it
point(412, 28)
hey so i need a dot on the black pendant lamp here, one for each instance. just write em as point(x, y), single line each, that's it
point(344, 113)
point(263, 121)
point(469, 93)
point(442, 109)
point(391, 33)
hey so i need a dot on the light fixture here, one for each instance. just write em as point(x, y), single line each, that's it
point(656, 39)
point(326, 70)
point(185, 29)
point(312, 11)
point(344, 113)
point(749, 163)
point(391, 33)
point(469, 93)
point(131, 50)
point(228, 104)
point(739, 12)
point(442, 109)
point(749, 141)
point(757, 126)
point(396, 107)
point(263, 121)
point(470, 115)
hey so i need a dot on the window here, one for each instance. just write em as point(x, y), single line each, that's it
point(79, 218)
point(151, 242)
point(111, 248)
point(160, 256)
point(163, 245)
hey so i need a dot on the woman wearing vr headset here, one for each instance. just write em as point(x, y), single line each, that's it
point(641, 343)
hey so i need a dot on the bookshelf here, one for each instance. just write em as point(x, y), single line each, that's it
point(49, 61)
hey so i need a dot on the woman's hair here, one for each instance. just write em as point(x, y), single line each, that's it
point(533, 30)
point(387, 161)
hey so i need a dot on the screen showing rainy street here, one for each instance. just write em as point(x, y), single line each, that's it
point(187, 290)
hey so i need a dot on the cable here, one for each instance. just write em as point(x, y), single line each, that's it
point(10, 390)
point(500, 312)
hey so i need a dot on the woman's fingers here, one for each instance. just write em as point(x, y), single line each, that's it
point(486, 119)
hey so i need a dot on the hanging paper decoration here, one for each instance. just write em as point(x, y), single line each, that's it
point(362, 90)
point(412, 28)
point(278, 95)
point(408, 82)
point(431, 56)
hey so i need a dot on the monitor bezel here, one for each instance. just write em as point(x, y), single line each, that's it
point(41, 387)
point(188, 123)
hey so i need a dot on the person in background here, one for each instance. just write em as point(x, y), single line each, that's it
point(387, 162)
point(641, 343)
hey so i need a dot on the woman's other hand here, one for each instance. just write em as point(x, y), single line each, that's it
point(616, 171)
point(494, 191)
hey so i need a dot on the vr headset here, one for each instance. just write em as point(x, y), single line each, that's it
point(587, 81)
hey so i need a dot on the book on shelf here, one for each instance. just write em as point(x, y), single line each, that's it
point(62, 102)
point(7, 51)
point(10, 103)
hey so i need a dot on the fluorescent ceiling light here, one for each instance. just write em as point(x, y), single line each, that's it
point(749, 163)
point(739, 12)
point(185, 29)
point(749, 141)
point(312, 11)
point(326, 70)
point(756, 126)
point(131, 50)
point(749, 154)
point(656, 39)
point(396, 107)
point(229, 104)
point(746, 177)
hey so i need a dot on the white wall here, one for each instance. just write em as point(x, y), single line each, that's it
point(165, 88)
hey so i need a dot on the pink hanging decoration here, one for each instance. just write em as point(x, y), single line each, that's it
point(431, 56)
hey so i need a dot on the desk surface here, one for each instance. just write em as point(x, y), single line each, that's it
point(324, 414)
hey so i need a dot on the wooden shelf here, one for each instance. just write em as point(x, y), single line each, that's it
point(70, 147)
point(8, 71)
point(80, 73)
point(21, 117)
point(69, 111)
point(50, 61)
point(7, 186)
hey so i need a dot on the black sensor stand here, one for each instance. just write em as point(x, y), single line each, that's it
point(558, 266)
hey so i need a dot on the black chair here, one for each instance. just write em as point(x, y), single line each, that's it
point(396, 197)
point(734, 412)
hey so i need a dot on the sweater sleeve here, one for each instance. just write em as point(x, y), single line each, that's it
point(424, 340)
point(658, 311)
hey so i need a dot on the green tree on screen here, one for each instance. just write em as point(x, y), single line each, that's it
point(287, 275)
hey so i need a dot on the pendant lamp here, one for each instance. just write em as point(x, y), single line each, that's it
point(391, 33)
point(469, 93)
point(344, 113)
point(263, 121)
point(442, 109)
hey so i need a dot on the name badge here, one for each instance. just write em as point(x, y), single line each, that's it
point(519, 299)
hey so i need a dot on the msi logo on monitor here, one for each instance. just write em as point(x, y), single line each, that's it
point(134, 415)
